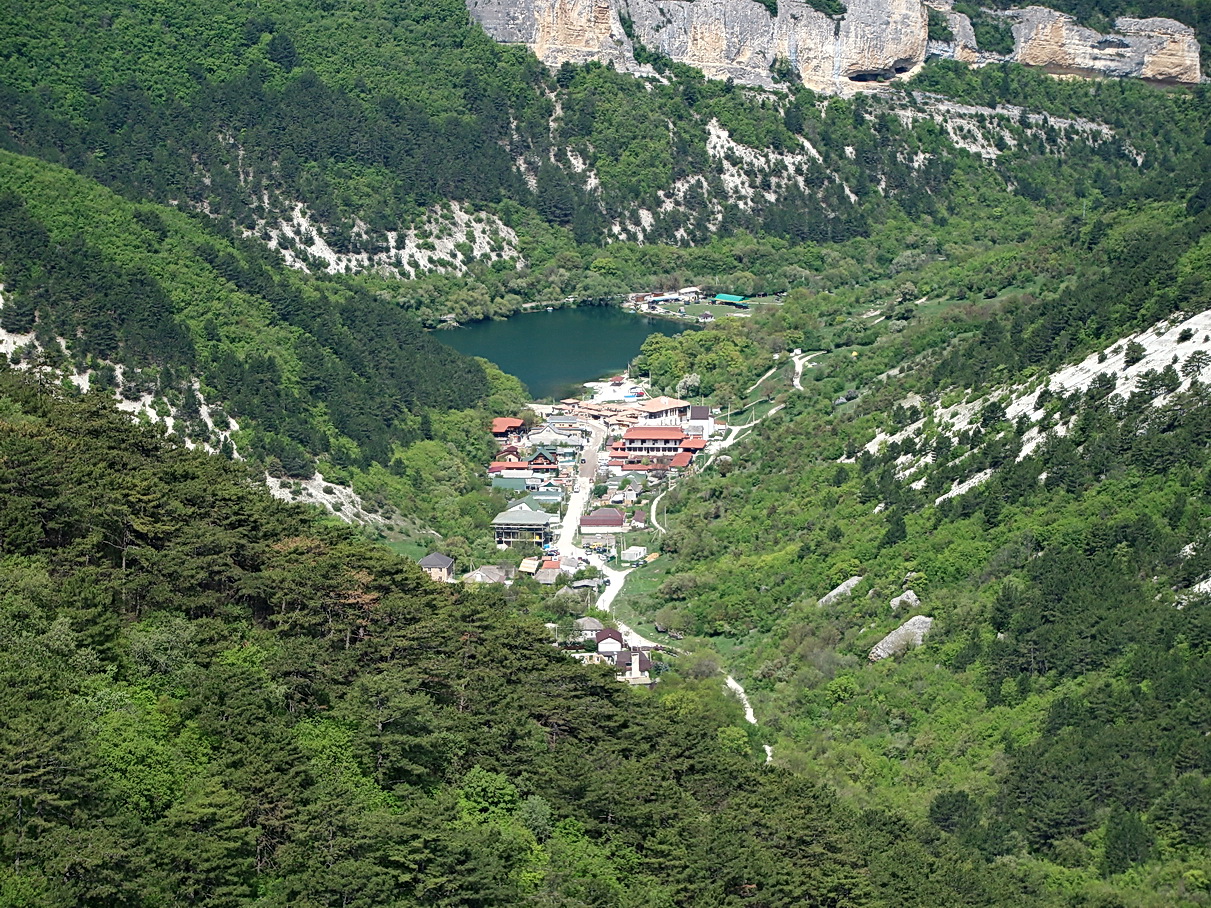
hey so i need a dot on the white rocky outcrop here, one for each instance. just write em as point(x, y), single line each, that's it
point(908, 635)
point(908, 599)
point(558, 31)
point(446, 240)
point(337, 499)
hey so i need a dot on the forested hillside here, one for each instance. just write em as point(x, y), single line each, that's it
point(343, 135)
point(1054, 527)
point(211, 699)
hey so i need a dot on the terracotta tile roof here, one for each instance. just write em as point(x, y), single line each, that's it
point(603, 517)
point(503, 424)
point(660, 404)
point(681, 460)
point(497, 465)
point(693, 444)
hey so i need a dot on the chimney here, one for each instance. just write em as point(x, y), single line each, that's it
point(634, 672)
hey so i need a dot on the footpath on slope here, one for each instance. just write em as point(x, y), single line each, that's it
point(749, 716)
point(800, 361)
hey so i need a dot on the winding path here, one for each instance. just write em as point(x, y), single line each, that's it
point(773, 369)
point(749, 716)
point(800, 361)
point(576, 505)
point(652, 512)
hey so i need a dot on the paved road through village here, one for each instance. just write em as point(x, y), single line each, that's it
point(587, 477)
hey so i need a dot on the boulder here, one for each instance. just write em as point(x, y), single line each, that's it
point(841, 591)
point(906, 599)
point(908, 635)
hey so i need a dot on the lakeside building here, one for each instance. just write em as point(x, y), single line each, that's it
point(663, 409)
point(730, 299)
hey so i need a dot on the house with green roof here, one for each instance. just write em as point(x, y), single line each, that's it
point(520, 525)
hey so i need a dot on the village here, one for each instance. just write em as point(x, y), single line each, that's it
point(585, 476)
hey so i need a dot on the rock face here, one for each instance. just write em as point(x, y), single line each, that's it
point(735, 39)
point(908, 635)
point(1158, 49)
point(575, 31)
point(738, 38)
point(874, 40)
point(908, 599)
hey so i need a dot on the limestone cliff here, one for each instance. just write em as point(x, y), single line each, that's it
point(873, 41)
point(1158, 49)
point(575, 31)
point(735, 39)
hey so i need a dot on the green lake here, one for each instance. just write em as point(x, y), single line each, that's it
point(556, 352)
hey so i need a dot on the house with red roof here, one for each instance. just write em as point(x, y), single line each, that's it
point(507, 429)
point(634, 667)
point(603, 520)
point(652, 441)
point(609, 641)
point(645, 448)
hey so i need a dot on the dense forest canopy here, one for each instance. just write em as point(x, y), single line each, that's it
point(212, 699)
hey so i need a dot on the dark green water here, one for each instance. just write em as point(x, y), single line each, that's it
point(555, 352)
